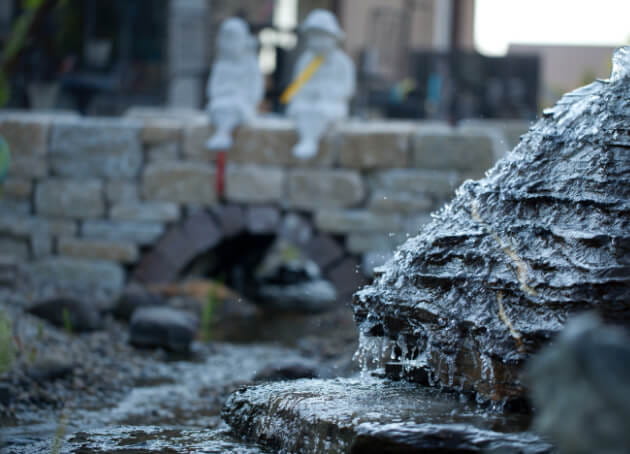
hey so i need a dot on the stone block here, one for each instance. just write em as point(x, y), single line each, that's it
point(14, 207)
point(270, 141)
point(81, 199)
point(201, 231)
point(262, 219)
point(461, 150)
point(16, 248)
point(100, 280)
point(254, 184)
point(121, 191)
point(374, 145)
point(17, 188)
point(324, 250)
point(26, 135)
point(153, 268)
point(182, 114)
point(346, 221)
point(145, 211)
point(101, 147)
point(439, 184)
point(58, 227)
point(28, 166)
point(196, 134)
point(264, 141)
point(182, 243)
point(180, 182)
point(10, 271)
point(16, 195)
point(132, 231)
point(399, 202)
point(41, 245)
point(160, 130)
point(98, 249)
point(231, 218)
point(167, 151)
point(335, 188)
point(22, 225)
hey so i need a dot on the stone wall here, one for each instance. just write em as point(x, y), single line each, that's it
point(92, 201)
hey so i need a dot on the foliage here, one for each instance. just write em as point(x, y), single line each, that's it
point(67, 320)
point(7, 349)
point(60, 433)
point(18, 39)
point(208, 312)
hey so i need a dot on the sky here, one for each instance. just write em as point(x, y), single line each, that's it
point(593, 22)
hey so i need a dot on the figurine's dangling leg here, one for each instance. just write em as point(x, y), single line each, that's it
point(311, 126)
point(224, 121)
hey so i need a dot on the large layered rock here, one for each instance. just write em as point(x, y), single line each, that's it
point(544, 235)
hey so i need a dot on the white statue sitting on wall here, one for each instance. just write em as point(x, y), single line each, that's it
point(235, 86)
point(324, 82)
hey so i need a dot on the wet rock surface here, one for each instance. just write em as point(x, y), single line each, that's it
point(497, 272)
point(370, 415)
point(157, 326)
point(405, 438)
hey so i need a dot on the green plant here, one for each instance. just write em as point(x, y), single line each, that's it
point(207, 313)
point(31, 355)
point(60, 433)
point(67, 320)
point(7, 347)
point(33, 13)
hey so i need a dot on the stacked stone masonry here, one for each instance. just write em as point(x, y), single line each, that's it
point(99, 201)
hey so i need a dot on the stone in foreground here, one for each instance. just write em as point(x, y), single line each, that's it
point(544, 235)
point(366, 416)
point(585, 372)
point(71, 314)
point(162, 327)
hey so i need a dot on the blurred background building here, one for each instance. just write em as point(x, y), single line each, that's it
point(415, 58)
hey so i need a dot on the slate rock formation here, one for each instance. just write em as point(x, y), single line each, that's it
point(497, 272)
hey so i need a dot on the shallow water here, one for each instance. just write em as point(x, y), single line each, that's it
point(176, 406)
point(179, 413)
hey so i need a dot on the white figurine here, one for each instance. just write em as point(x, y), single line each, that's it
point(322, 88)
point(235, 86)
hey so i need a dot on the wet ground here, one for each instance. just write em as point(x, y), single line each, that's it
point(94, 393)
point(71, 393)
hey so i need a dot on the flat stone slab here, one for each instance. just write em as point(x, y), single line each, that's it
point(371, 415)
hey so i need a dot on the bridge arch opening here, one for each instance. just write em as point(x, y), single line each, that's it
point(233, 243)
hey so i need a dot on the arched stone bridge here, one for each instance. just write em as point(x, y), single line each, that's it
point(92, 202)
